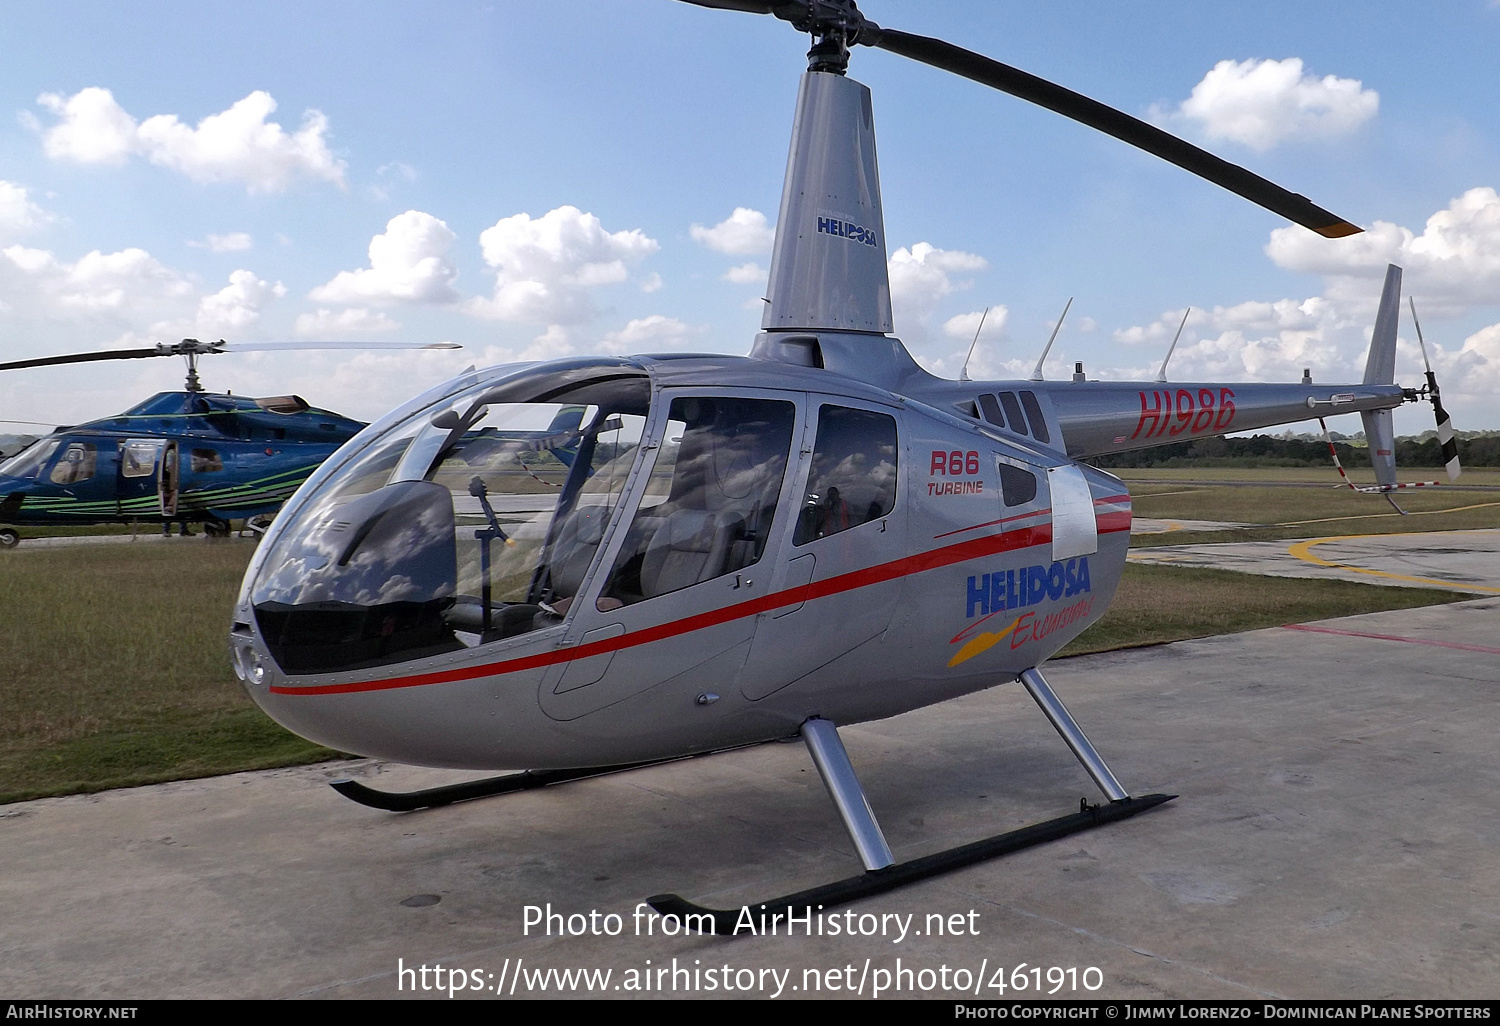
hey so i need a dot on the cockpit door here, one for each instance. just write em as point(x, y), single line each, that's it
point(836, 560)
point(672, 597)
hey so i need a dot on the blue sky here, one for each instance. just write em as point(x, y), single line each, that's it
point(547, 179)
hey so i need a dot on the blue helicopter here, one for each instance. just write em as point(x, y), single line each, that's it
point(179, 457)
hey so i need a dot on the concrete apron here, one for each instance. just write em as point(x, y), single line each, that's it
point(1333, 838)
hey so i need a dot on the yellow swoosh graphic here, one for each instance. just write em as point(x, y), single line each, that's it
point(981, 643)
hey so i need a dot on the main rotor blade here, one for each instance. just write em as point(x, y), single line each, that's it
point(748, 6)
point(272, 347)
point(1122, 126)
point(108, 354)
point(195, 348)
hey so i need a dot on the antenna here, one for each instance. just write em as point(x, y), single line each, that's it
point(963, 374)
point(1036, 375)
point(1161, 375)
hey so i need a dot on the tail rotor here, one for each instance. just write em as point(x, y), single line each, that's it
point(1380, 368)
point(1446, 440)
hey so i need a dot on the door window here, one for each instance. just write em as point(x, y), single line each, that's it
point(138, 459)
point(75, 464)
point(853, 475)
point(711, 498)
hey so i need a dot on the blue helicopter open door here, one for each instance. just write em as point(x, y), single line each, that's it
point(168, 480)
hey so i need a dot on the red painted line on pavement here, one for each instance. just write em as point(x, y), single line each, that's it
point(1391, 637)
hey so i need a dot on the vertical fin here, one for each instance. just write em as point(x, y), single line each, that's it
point(1380, 368)
point(828, 264)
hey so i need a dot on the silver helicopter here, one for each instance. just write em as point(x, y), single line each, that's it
point(730, 550)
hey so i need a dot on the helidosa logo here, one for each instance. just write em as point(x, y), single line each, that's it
point(1016, 589)
point(994, 593)
point(846, 230)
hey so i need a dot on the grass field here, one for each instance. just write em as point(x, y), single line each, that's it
point(114, 669)
point(114, 666)
point(1281, 499)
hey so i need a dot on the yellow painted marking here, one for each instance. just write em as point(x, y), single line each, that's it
point(1303, 551)
point(981, 643)
point(1376, 516)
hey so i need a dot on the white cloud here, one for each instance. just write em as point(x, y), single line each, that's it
point(94, 129)
point(389, 176)
point(1473, 369)
point(546, 267)
point(965, 325)
point(233, 242)
point(237, 306)
point(18, 214)
point(235, 145)
point(645, 334)
point(746, 274)
point(1263, 103)
point(651, 283)
point(921, 277)
point(1453, 264)
point(128, 283)
point(1452, 267)
point(325, 324)
point(552, 344)
point(986, 359)
point(1257, 341)
point(408, 263)
point(742, 233)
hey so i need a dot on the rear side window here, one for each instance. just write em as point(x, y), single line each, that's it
point(1013, 415)
point(853, 476)
point(991, 409)
point(1034, 413)
point(1017, 486)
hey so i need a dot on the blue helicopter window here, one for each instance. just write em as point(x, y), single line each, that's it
point(29, 462)
point(711, 498)
point(76, 464)
point(138, 457)
point(853, 476)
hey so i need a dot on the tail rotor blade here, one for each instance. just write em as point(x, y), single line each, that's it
point(1446, 441)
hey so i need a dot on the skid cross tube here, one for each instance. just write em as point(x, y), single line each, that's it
point(879, 881)
point(827, 751)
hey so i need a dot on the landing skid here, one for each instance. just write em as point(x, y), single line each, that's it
point(882, 872)
point(878, 881)
point(434, 797)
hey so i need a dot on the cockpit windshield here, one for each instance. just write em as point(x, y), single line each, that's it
point(468, 523)
point(28, 462)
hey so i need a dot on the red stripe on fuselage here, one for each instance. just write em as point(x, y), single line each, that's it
point(963, 551)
